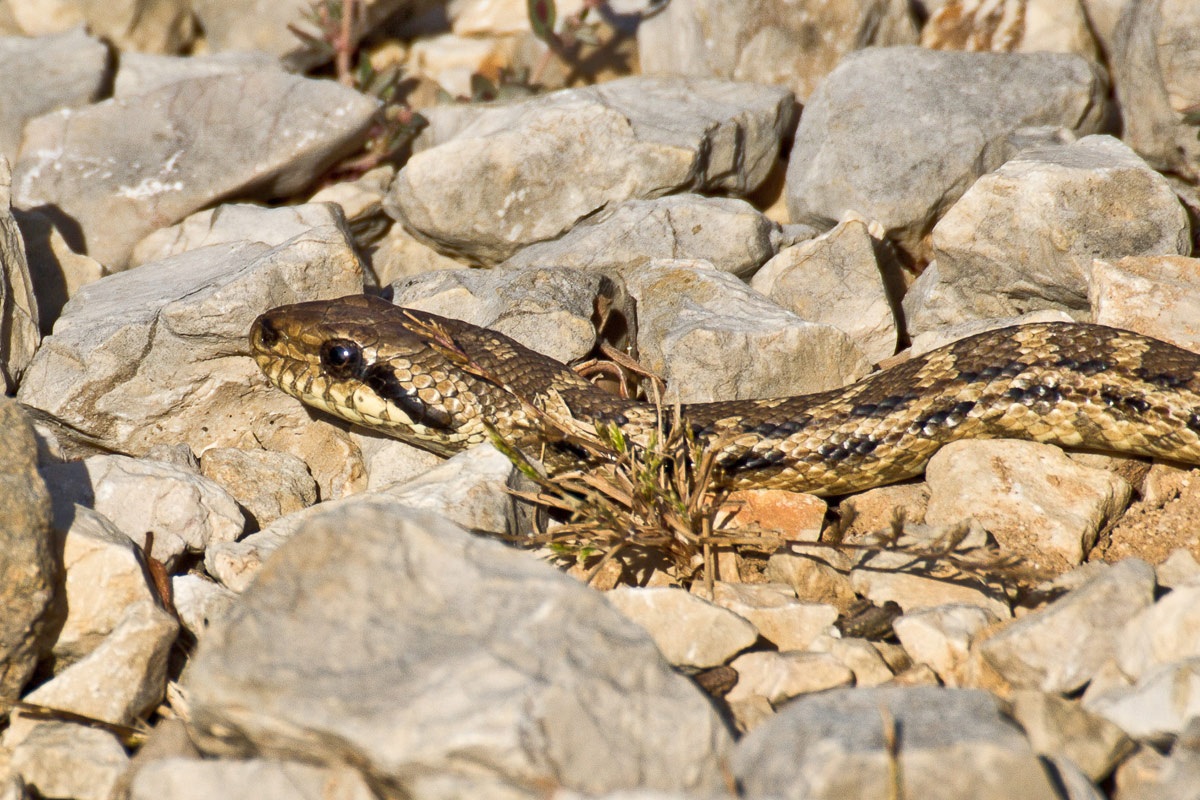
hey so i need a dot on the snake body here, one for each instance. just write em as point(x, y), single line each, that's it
point(1077, 385)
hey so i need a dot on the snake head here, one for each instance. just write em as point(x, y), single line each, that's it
point(358, 358)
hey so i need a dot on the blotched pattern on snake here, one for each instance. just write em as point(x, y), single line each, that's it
point(1087, 386)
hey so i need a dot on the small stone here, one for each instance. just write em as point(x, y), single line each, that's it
point(1158, 706)
point(266, 483)
point(690, 631)
point(1156, 296)
point(859, 655)
point(60, 759)
point(1179, 567)
point(1038, 503)
point(775, 612)
point(1165, 632)
point(817, 577)
point(781, 676)
point(941, 637)
point(796, 515)
point(200, 602)
point(1060, 727)
point(1060, 647)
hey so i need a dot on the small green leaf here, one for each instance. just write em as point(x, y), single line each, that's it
point(541, 18)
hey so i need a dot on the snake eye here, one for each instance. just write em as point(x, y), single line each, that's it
point(341, 357)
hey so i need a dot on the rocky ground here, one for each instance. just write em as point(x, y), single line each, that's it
point(756, 198)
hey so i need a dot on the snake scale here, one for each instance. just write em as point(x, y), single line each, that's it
point(1077, 385)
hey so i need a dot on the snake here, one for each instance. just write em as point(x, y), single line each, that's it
point(445, 385)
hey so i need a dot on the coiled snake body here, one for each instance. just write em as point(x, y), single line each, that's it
point(378, 365)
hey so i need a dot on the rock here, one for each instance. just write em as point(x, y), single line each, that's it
point(128, 166)
point(29, 562)
point(956, 743)
point(121, 680)
point(728, 233)
point(1038, 503)
point(796, 515)
point(884, 576)
point(775, 612)
point(1072, 203)
point(62, 759)
point(158, 354)
point(546, 309)
point(1060, 648)
point(941, 637)
point(469, 489)
point(1165, 632)
point(235, 222)
point(200, 602)
point(712, 338)
point(859, 655)
point(689, 630)
point(792, 44)
point(19, 327)
point(268, 484)
point(1023, 26)
point(781, 676)
point(251, 779)
point(816, 577)
point(943, 335)
point(1157, 296)
point(881, 508)
point(849, 156)
point(46, 73)
point(1158, 706)
point(185, 511)
point(1149, 775)
point(390, 461)
point(142, 72)
point(834, 279)
point(1151, 43)
point(489, 641)
point(1178, 568)
point(399, 255)
point(1061, 728)
point(105, 575)
point(57, 271)
point(497, 185)
point(233, 26)
point(158, 26)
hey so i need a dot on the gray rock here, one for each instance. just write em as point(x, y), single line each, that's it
point(469, 489)
point(834, 279)
point(941, 637)
point(778, 42)
point(186, 511)
point(46, 73)
point(120, 681)
point(689, 630)
point(954, 743)
point(19, 325)
point(731, 234)
point(548, 309)
point(141, 72)
point(1165, 632)
point(1023, 238)
point(1158, 296)
point(390, 461)
point(62, 759)
point(200, 602)
point(1064, 729)
point(56, 270)
point(849, 154)
point(29, 564)
point(105, 575)
point(498, 185)
point(158, 354)
point(1036, 501)
point(1149, 775)
point(781, 676)
point(125, 167)
point(1153, 45)
point(1059, 648)
point(710, 337)
point(1158, 706)
point(235, 222)
point(251, 779)
point(380, 636)
point(268, 484)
